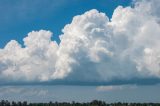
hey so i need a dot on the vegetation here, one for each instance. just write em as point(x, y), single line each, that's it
point(93, 103)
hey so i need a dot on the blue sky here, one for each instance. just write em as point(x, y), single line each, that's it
point(63, 93)
point(109, 50)
point(21, 17)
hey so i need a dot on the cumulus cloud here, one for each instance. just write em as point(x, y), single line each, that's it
point(34, 62)
point(93, 48)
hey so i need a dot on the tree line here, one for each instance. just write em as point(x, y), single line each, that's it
point(92, 103)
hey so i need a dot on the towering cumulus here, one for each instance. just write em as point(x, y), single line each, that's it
point(93, 49)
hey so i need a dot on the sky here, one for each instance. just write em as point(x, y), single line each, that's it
point(21, 17)
point(80, 50)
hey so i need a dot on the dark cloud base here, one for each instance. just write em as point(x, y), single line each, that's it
point(146, 81)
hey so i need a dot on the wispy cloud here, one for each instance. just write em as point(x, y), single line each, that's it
point(28, 91)
point(115, 87)
point(109, 88)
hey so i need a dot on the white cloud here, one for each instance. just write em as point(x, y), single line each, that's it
point(109, 88)
point(33, 62)
point(115, 87)
point(92, 49)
